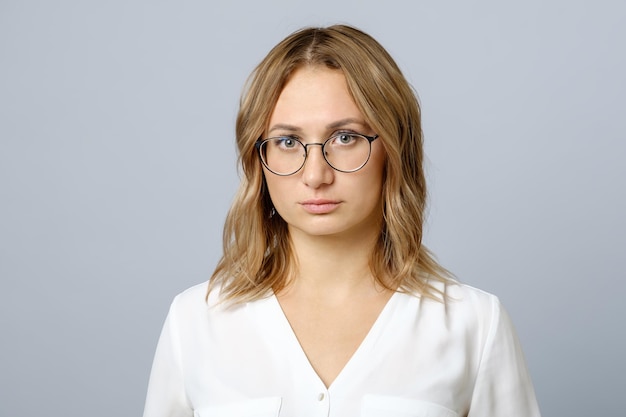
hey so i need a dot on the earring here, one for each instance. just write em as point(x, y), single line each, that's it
point(272, 212)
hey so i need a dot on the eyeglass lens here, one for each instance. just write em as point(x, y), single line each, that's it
point(344, 152)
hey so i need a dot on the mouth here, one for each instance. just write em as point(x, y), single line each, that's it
point(320, 206)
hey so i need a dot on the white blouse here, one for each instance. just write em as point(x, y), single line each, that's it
point(421, 358)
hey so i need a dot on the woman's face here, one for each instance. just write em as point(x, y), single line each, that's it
point(317, 200)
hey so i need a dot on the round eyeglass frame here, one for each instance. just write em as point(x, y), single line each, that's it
point(260, 143)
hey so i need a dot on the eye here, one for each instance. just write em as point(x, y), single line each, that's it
point(342, 139)
point(345, 138)
point(286, 142)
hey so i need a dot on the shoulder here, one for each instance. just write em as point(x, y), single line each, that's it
point(193, 305)
point(192, 296)
point(465, 310)
point(459, 295)
point(462, 297)
point(473, 301)
point(483, 316)
point(191, 302)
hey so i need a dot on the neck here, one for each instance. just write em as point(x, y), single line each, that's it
point(332, 266)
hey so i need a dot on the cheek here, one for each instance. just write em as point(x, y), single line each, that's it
point(269, 186)
point(376, 171)
point(276, 189)
point(376, 183)
point(377, 163)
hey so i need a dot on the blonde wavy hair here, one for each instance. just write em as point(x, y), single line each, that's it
point(258, 257)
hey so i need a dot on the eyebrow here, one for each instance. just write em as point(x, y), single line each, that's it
point(333, 125)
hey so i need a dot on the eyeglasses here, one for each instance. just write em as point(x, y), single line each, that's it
point(344, 152)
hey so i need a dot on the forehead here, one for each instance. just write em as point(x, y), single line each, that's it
point(314, 95)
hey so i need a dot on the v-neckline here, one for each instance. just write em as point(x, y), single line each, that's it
point(277, 326)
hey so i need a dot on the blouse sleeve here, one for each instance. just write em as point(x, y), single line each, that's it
point(503, 386)
point(166, 392)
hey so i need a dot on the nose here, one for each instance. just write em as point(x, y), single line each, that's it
point(316, 170)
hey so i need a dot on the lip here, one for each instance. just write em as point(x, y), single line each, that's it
point(319, 206)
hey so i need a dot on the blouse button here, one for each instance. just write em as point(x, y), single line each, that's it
point(320, 397)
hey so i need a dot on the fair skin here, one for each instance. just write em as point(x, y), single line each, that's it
point(334, 220)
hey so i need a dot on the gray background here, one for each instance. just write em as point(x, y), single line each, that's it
point(117, 167)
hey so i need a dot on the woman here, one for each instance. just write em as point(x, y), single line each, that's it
point(325, 302)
